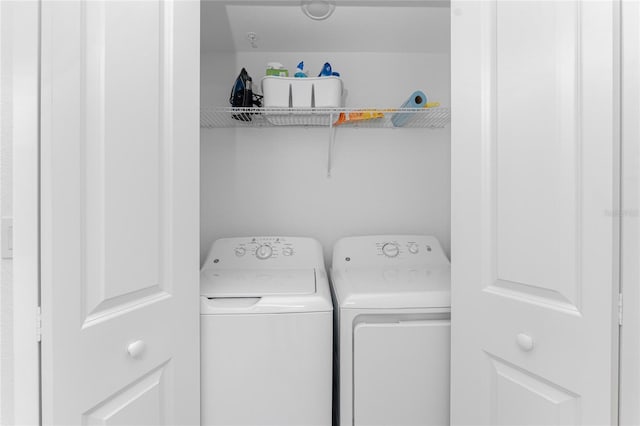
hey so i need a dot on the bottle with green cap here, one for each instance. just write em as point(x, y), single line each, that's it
point(276, 69)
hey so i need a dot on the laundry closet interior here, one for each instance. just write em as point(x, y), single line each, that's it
point(292, 169)
point(275, 180)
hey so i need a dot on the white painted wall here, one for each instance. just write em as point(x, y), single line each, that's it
point(630, 216)
point(273, 181)
point(6, 210)
point(21, 402)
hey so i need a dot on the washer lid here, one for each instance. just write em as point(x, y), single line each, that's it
point(398, 288)
point(257, 282)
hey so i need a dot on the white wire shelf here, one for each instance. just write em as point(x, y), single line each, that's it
point(227, 117)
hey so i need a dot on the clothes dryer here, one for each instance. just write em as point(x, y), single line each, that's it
point(392, 297)
point(266, 333)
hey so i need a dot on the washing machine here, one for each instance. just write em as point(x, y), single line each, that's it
point(392, 298)
point(266, 333)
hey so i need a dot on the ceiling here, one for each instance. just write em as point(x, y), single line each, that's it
point(355, 26)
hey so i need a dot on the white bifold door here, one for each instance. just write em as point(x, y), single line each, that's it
point(534, 199)
point(119, 212)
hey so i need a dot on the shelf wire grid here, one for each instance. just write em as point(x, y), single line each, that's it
point(225, 117)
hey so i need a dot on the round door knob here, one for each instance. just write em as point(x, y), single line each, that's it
point(525, 342)
point(264, 252)
point(390, 250)
point(287, 251)
point(413, 248)
point(240, 251)
point(136, 349)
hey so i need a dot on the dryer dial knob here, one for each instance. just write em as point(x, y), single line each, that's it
point(390, 250)
point(264, 252)
point(240, 251)
point(413, 248)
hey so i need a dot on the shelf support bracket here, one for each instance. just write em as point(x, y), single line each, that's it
point(332, 140)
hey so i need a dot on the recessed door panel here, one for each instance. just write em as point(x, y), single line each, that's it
point(520, 398)
point(401, 373)
point(126, 173)
point(141, 403)
point(536, 149)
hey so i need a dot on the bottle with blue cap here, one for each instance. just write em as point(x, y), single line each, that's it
point(300, 70)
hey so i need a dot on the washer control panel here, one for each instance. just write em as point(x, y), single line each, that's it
point(265, 248)
point(263, 252)
point(395, 247)
point(384, 250)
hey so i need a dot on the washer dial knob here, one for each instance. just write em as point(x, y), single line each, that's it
point(240, 251)
point(287, 251)
point(264, 252)
point(413, 248)
point(390, 250)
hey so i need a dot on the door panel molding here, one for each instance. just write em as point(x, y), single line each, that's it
point(121, 305)
point(548, 404)
point(124, 137)
point(147, 395)
point(533, 295)
point(522, 234)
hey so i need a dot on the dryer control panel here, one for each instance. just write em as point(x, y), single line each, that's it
point(385, 250)
point(262, 252)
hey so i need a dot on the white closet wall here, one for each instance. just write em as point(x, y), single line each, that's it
point(274, 180)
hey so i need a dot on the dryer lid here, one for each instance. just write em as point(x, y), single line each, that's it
point(257, 282)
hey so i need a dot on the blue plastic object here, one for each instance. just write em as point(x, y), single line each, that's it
point(326, 70)
point(300, 72)
point(417, 100)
